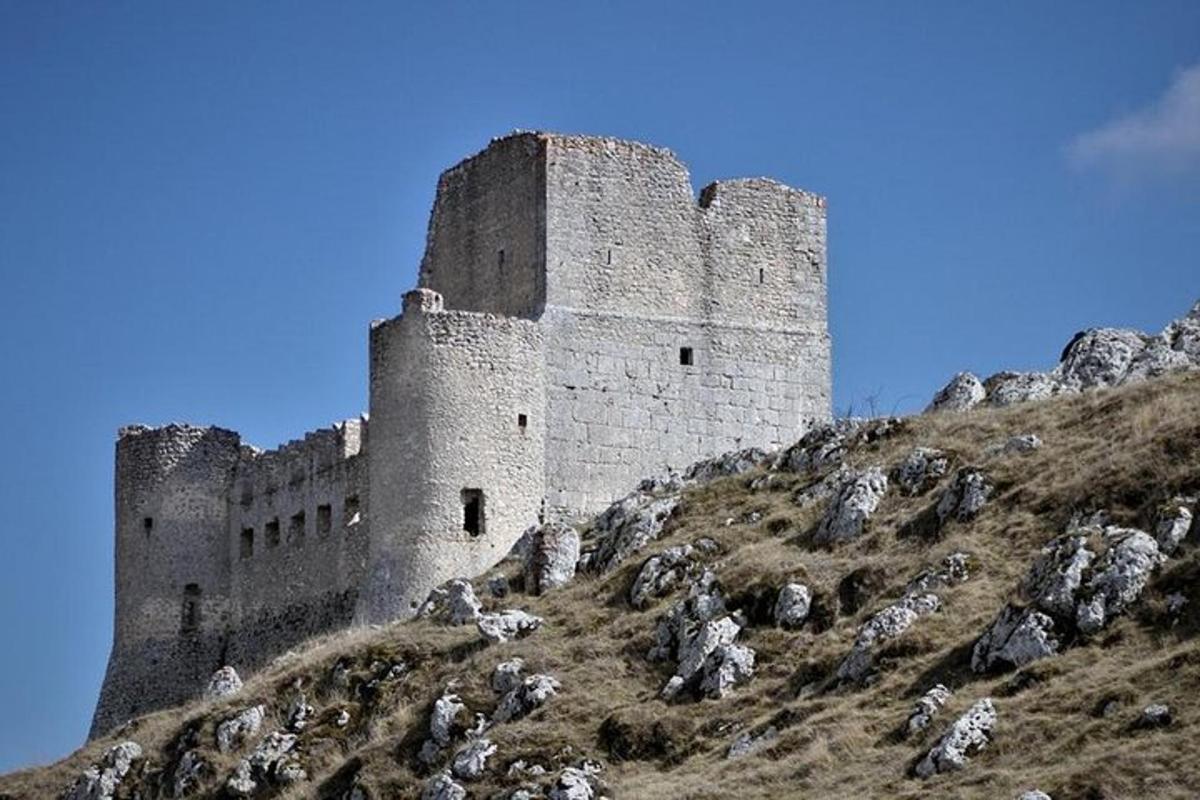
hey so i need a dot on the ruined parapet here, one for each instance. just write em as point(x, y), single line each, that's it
point(457, 447)
point(172, 566)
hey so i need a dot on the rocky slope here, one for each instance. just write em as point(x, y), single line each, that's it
point(992, 602)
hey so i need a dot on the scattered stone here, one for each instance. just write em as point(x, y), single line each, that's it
point(1100, 357)
point(454, 602)
point(748, 743)
point(704, 602)
point(668, 482)
point(926, 708)
point(821, 490)
point(101, 780)
point(965, 497)
point(1119, 577)
point(969, 734)
point(821, 447)
point(504, 626)
point(660, 573)
point(235, 730)
point(188, 774)
point(443, 720)
point(1174, 522)
point(856, 500)
point(627, 526)
point(792, 605)
point(727, 666)
point(339, 676)
point(572, 784)
point(551, 557)
point(532, 693)
point(443, 787)
point(1017, 637)
point(1033, 794)
point(964, 391)
point(1156, 715)
point(498, 586)
point(299, 713)
point(882, 627)
point(954, 569)
point(734, 463)
point(1175, 603)
point(920, 470)
point(1057, 573)
point(223, 683)
point(1015, 445)
point(470, 762)
point(507, 675)
point(272, 762)
point(343, 718)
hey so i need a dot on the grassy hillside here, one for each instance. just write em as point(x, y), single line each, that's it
point(1126, 451)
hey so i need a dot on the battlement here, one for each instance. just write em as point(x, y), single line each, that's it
point(582, 319)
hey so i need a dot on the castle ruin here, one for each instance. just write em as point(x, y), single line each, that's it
point(581, 321)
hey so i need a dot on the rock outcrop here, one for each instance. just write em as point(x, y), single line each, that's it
point(969, 734)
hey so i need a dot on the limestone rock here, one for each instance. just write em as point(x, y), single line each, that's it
point(1033, 794)
point(551, 557)
point(1174, 522)
point(454, 602)
point(695, 649)
point(969, 734)
point(965, 497)
point(299, 712)
point(188, 773)
point(1017, 637)
point(926, 708)
point(271, 762)
point(883, 627)
point(1100, 356)
point(223, 683)
point(498, 586)
point(443, 787)
point(661, 573)
point(1007, 388)
point(1158, 358)
point(792, 605)
point(1015, 445)
point(1119, 577)
point(1155, 715)
point(964, 391)
point(101, 780)
point(232, 732)
point(920, 470)
point(704, 602)
point(1057, 573)
point(727, 666)
point(507, 675)
point(504, 626)
point(748, 743)
point(821, 447)
point(627, 526)
point(823, 489)
point(854, 504)
point(443, 720)
point(1183, 335)
point(572, 784)
point(532, 693)
point(734, 463)
point(470, 762)
point(953, 570)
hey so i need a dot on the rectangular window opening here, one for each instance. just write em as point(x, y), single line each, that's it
point(522, 421)
point(271, 532)
point(761, 274)
point(609, 256)
point(685, 356)
point(500, 257)
point(190, 621)
point(148, 525)
point(247, 548)
point(296, 529)
point(473, 517)
point(324, 519)
point(350, 511)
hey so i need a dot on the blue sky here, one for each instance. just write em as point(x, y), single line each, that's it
point(202, 206)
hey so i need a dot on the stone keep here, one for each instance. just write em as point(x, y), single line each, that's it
point(581, 321)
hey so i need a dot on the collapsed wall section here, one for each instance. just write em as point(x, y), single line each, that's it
point(457, 447)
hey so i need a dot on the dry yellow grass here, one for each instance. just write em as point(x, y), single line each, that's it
point(1126, 451)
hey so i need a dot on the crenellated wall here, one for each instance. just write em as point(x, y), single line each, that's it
point(583, 320)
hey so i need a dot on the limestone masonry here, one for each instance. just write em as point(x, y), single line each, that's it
point(581, 321)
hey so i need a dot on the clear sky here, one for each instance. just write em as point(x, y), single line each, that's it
point(202, 205)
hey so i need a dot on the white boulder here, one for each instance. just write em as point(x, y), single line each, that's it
point(969, 734)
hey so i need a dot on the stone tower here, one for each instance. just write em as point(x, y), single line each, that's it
point(582, 320)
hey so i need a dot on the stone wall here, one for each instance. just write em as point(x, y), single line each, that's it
point(457, 406)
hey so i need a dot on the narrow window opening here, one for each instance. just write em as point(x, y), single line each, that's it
point(148, 525)
point(296, 529)
point(324, 519)
point(473, 519)
point(522, 421)
point(761, 274)
point(190, 621)
point(500, 257)
point(685, 356)
point(350, 511)
point(609, 261)
point(247, 548)
point(271, 532)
